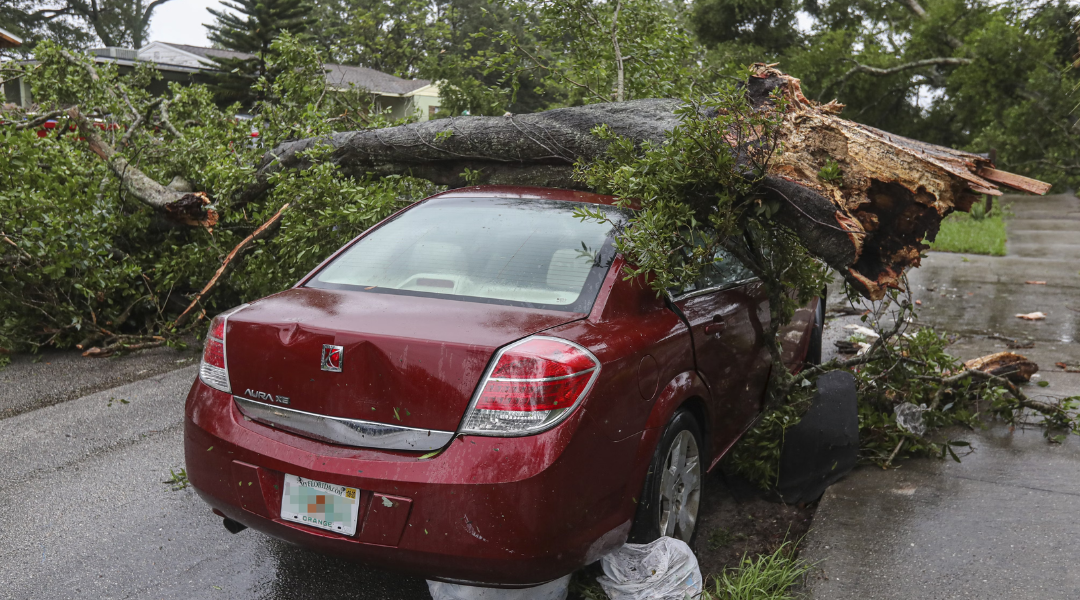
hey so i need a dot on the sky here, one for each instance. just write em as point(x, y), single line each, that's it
point(181, 22)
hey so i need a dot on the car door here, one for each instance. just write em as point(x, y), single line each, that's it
point(724, 310)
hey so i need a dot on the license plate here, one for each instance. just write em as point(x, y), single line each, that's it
point(320, 504)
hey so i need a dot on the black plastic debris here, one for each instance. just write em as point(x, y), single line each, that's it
point(824, 446)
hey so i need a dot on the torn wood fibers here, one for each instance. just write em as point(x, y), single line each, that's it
point(894, 191)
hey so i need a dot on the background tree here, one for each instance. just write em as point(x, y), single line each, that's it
point(75, 23)
point(123, 23)
point(572, 52)
point(251, 26)
point(392, 36)
point(972, 74)
point(766, 25)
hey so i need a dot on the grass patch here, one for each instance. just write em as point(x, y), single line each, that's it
point(759, 577)
point(766, 577)
point(970, 234)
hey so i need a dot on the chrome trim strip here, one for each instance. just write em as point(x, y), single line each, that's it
point(716, 288)
point(348, 432)
point(557, 378)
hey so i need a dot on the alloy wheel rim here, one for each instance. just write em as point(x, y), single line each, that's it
point(680, 488)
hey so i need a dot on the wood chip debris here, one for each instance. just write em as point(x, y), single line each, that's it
point(1035, 282)
point(1035, 316)
point(1015, 367)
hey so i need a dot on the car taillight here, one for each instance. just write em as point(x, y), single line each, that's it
point(214, 368)
point(532, 385)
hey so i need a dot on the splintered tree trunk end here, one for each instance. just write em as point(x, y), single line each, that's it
point(892, 195)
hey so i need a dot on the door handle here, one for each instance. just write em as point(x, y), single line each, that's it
point(716, 326)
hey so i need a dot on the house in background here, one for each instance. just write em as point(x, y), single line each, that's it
point(9, 40)
point(188, 64)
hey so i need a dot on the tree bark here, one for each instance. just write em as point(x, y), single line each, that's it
point(870, 225)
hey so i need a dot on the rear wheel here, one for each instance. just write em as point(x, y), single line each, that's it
point(672, 494)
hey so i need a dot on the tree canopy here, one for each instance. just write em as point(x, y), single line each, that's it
point(75, 23)
point(251, 26)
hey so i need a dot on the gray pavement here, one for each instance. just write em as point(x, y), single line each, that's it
point(87, 514)
point(33, 381)
point(1002, 523)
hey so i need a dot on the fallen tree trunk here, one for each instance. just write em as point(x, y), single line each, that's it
point(869, 224)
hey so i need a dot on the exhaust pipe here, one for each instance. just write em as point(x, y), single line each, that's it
point(233, 526)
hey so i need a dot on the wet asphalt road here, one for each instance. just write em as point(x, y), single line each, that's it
point(1002, 523)
point(87, 515)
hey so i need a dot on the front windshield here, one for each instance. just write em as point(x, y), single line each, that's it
point(525, 252)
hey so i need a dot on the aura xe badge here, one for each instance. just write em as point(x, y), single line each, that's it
point(332, 357)
point(264, 396)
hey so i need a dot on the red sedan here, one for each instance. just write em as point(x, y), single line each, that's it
point(473, 392)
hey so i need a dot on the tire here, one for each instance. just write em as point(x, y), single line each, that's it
point(813, 353)
point(669, 504)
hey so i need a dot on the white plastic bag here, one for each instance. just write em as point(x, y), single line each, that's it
point(662, 570)
point(554, 590)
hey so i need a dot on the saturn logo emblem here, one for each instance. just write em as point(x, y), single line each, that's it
point(331, 358)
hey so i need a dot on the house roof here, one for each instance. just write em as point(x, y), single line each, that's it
point(340, 76)
point(210, 53)
point(9, 40)
point(371, 80)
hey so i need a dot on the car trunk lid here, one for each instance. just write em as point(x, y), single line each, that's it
point(405, 360)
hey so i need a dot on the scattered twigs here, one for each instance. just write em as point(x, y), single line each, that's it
point(896, 450)
point(264, 231)
point(872, 354)
point(126, 344)
point(1010, 342)
point(1055, 412)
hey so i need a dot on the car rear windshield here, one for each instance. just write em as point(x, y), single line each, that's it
point(516, 251)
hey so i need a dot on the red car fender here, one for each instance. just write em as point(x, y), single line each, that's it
point(683, 388)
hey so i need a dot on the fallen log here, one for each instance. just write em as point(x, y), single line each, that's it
point(870, 224)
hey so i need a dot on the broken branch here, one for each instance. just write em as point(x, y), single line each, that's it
point(264, 231)
point(139, 119)
point(164, 112)
point(38, 120)
point(184, 208)
point(882, 72)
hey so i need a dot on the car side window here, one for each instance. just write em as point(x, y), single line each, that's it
point(725, 270)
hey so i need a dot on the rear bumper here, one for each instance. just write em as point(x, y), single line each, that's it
point(495, 511)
